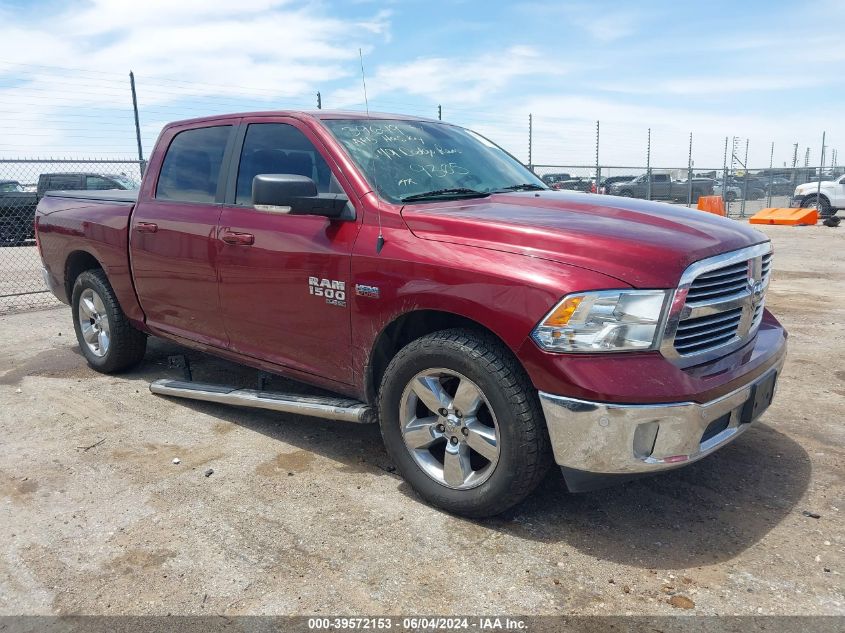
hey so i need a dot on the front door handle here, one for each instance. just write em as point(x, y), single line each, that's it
point(238, 239)
point(146, 227)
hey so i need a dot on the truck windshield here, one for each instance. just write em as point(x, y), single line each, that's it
point(417, 161)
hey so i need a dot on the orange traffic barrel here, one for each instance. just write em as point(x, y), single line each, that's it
point(712, 204)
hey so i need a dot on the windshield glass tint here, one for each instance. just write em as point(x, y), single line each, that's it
point(405, 158)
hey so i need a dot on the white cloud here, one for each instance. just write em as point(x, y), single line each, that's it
point(458, 80)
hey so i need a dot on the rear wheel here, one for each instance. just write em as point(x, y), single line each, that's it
point(823, 205)
point(463, 424)
point(107, 339)
point(626, 193)
point(730, 196)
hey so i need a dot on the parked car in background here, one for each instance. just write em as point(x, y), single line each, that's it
point(612, 180)
point(574, 184)
point(559, 181)
point(83, 181)
point(551, 179)
point(829, 197)
point(751, 188)
point(778, 186)
point(731, 193)
point(17, 213)
point(663, 187)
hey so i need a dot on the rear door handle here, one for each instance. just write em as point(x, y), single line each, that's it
point(238, 239)
point(146, 227)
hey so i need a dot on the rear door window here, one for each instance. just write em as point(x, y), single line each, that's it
point(191, 168)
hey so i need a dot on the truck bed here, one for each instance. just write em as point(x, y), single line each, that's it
point(76, 227)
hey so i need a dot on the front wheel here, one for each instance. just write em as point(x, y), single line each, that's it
point(626, 193)
point(823, 205)
point(463, 424)
point(107, 339)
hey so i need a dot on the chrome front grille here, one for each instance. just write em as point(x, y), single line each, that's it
point(718, 305)
point(705, 332)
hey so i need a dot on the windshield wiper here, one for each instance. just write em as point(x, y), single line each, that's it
point(462, 192)
point(527, 186)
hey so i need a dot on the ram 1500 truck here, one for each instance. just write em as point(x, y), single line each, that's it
point(413, 268)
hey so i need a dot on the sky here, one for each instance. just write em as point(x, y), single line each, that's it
point(761, 71)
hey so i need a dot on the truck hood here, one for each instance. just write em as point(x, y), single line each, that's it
point(644, 244)
point(811, 187)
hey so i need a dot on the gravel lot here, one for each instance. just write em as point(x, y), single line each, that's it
point(302, 516)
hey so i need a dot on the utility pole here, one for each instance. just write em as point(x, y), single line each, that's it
point(319, 101)
point(440, 113)
point(141, 164)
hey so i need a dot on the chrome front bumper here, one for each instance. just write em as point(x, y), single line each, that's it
point(629, 439)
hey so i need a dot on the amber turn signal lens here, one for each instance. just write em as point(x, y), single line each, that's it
point(563, 312)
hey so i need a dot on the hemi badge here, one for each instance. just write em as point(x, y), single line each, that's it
point(363, 290)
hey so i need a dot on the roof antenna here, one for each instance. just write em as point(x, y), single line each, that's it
point(380, 240)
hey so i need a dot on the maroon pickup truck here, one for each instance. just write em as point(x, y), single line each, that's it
point(419, 272)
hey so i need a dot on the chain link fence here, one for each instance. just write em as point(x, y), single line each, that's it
point(744, 191)
point(22, 184)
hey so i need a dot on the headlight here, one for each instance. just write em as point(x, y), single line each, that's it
point(603, 321)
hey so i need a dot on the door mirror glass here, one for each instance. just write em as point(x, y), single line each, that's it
point(296, 195)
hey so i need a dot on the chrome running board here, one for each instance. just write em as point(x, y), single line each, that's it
point(328, 408)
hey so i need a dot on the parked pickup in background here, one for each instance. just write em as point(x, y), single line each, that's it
point(662, 188)
point(17, 212)
point(73, 181)
point(829, 198)
point(431, 283)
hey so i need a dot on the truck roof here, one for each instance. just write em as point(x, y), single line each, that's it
point(309, 114)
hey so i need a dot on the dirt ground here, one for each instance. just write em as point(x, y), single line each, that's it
point(302, 516)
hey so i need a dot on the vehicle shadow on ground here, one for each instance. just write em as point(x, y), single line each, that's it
point(702, 514)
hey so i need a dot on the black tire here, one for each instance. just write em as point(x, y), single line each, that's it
point(126, 344)
point(825, 211)
point(524, 452)
point(730, 196)
point(626, 193)
point(696, 194)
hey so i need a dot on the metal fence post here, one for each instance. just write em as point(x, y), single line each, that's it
point(745, 182)
point(598, 168)
point(725, 176)
point(771, 176)
point(821, 169)
point(141, 163)
point(648, 167)
point(689, 173)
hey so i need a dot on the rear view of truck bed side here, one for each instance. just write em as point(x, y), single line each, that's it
point(78, 231)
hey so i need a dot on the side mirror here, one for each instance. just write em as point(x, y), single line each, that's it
point(296, 195)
